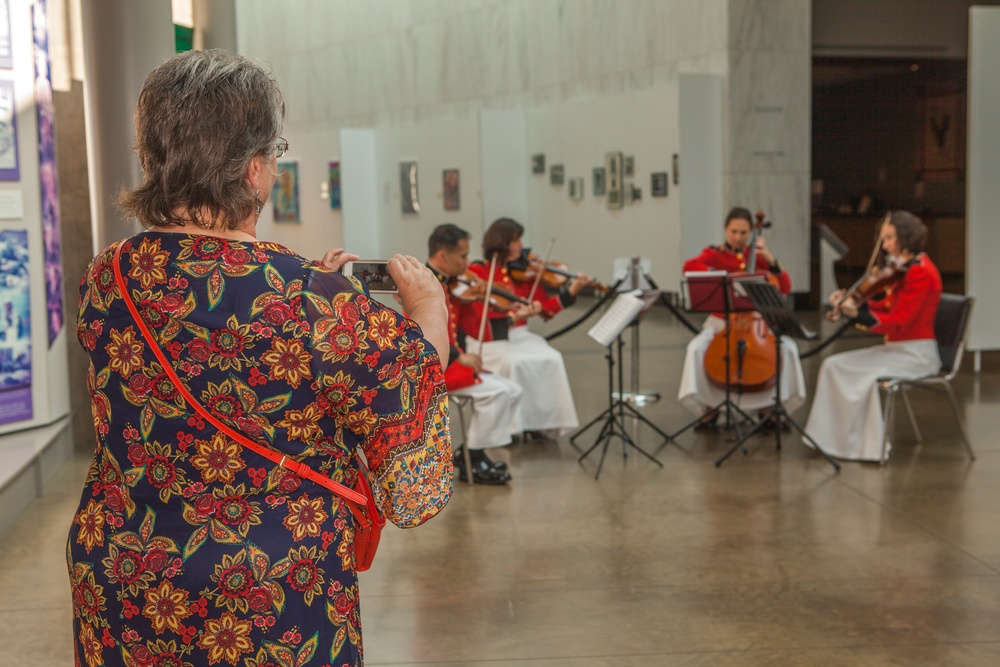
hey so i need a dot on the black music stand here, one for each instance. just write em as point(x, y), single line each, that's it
point(712, 292)
point(608, 332)
point(767, 300)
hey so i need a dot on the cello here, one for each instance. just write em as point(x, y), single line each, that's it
point(746, 341)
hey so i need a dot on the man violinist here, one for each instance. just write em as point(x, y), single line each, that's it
point(846, 416)
point(509, 349)
point(495, 399)
point(697, 392)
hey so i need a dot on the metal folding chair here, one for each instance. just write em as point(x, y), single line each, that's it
point(950, 324)
point(460, 403)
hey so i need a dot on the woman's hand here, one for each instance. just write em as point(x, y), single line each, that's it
point(422, 298)
point(764, 252)
point(522, 311)
point(336, 258)
point(578, 283)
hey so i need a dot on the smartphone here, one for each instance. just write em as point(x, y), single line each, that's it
point(374, 273)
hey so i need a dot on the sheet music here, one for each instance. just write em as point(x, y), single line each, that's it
point(621, 313)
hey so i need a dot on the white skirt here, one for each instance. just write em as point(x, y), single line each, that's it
point(698, 394)
point(538, 368)
point(495, 415)
point(846, 416)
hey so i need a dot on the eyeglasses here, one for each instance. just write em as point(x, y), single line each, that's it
point(281, 147)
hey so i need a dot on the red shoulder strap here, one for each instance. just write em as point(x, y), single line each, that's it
point(282, 460)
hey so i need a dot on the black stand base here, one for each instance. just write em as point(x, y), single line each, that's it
point(614, 425)
point(731, 422)
point(779, 417)
point(614, 418)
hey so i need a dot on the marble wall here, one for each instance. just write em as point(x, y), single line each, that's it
point(392, 64)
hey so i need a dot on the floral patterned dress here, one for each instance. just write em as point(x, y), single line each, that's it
point(188, 549)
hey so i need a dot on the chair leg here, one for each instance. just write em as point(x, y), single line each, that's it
point(909, 412)
point(958, 418)
point(466, 454)
point(887, 420)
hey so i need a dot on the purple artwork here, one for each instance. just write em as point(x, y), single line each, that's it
point(47, 170)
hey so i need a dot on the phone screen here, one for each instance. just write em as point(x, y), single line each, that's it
point(375, 274)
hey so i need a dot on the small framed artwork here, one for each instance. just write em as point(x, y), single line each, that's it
point(9, 166)
point(408, 194)
point(613, 167)
point(286, 193)
point(538, 163)
point(676, 167)
point(599, 185)
point(557, 175)
point(576, 189)
point(636, 193)
point(629, 169)
point(452, 194)
point(658, 184)
point(6, 48)
point(334, 176)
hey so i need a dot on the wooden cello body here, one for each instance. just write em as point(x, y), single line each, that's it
point(746, 341)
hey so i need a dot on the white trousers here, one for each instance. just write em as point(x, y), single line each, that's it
point(538, 368)
point(495, 415)
point(698, 394)
point(846, 416)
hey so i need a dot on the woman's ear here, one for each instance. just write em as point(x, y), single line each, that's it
point(254, 171)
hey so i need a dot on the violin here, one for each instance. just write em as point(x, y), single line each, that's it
point(470, 288)
point(882, 273)
point(553, 274)
point(746, 341)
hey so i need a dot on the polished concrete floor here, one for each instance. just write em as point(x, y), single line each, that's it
point(770, 559)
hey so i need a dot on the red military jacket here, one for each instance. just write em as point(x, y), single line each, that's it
point(724, 258)
point(908, 309)
point(456, 375)
point(502, 278)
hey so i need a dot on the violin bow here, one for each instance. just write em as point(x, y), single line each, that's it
point(538, 278)
point(486, 303)
point(871, 260)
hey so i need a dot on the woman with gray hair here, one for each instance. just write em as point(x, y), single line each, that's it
point(188, 547)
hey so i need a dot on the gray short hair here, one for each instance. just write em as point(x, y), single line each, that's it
point(202, 117)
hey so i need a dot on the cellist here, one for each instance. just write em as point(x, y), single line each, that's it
point(696, 392)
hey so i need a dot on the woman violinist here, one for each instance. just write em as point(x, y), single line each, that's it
point(509, 349)
point(697, 392)
point(846, 417)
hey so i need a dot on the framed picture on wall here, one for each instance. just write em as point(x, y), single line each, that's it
point(941, 137)
point(658, 184)
point(286, 193)
point(409, 197)
point(6, 49)
point(613, 167)
point(576, 189)
point(629, 168)
point(599, 184)
point(452, 193)
point(557, 175)
point(9, 169)
point(333, 170)
point(538, 163)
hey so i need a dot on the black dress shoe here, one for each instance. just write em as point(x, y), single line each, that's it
point(477, 455)
point(482, 473)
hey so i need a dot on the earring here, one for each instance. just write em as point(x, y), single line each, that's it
point(256, 200)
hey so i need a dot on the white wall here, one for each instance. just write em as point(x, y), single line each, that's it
point(982, 231)
point(589, 236)
point(414, 69)
point(436, 145)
